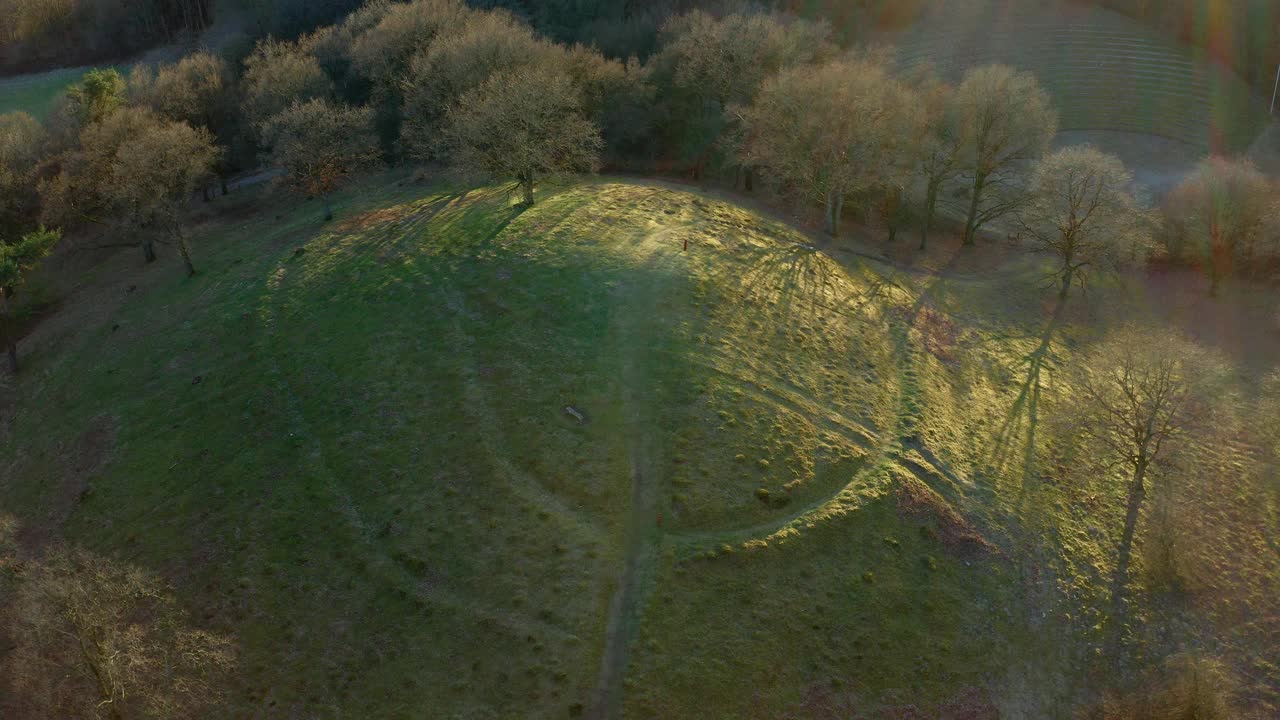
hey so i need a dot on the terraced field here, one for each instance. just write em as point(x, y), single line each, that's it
point(1105, 71)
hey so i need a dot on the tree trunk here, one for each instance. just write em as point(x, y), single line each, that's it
point(526, 183)
point(186, 252)
point(835, 204)
point(750, 180)
point(149, 251)
point(1068, 273)
point(930, 204)
point(328, 209)
point(223, 180)
point(1219, 255)
point(1137, 491)
point(970, 226)
point(10, 332)
point(91, 660)
point(206, 192)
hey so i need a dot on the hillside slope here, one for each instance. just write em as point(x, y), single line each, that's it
point(450, 457)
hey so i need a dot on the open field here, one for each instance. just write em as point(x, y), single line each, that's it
point(36, 94)
point(450, 457)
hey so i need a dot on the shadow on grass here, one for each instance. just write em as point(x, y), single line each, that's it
point(806, 280)
point(1027, 404)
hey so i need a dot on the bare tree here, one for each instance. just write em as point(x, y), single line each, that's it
point(320, 145)
point(96, 638)
point(74, 196)
point(1138, 395)
point(21, 141)
point(833, 131)
point(940, 143)
point(154, 175)
point(199, 90)
point(136, 172)
point(1222, 211)
point(1006, 118)
point(1082, 212)
point(382, 52)
point(708, 63)
point(524, 124)
point(16, 260)
point(456, 63)
point(277, 75)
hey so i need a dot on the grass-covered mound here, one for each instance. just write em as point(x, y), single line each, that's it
point(451, 457)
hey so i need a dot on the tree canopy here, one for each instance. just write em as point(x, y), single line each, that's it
point(706, 63)
point(1222, 212)
point(1082, 211)
point(487, 44)
point(320, 144)
point(16, 260)
point(135, 171)
point(940, 142)
point(21, 146)
point(278, 74)
point(833, 131)
point(1006, 117)
point(524, 124)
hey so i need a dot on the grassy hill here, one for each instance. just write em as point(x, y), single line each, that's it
point(449, 456)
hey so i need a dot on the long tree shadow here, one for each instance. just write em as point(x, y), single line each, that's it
point(1026, 407)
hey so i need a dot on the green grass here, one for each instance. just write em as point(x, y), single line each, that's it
point(36, 94)
point(348, 446)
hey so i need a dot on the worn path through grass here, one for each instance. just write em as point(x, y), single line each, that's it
point(639, 323)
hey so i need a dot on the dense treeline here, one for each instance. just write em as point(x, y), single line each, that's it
point(39, 34)
point(761, 101)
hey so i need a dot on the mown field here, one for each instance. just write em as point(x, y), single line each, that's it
point(36, 94)
point(450, 457)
